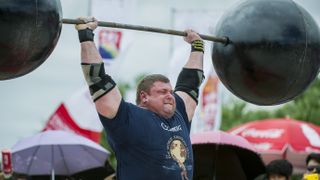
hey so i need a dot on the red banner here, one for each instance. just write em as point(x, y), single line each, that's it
point(6, 162)
point(61, 120)
point(211, 103)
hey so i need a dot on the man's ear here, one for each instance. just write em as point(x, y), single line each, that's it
point(143, 97)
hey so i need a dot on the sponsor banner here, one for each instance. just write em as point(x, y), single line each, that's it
point(6, 162)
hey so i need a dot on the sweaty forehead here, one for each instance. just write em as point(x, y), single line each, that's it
point(158, 85)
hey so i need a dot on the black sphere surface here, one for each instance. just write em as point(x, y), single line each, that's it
point(29, 32)
point(273, 54)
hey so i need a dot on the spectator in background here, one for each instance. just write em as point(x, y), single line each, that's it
point(313, 162)
point(313, 167)
point(279, 169)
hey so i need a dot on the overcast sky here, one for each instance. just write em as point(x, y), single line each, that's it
point(27, 102)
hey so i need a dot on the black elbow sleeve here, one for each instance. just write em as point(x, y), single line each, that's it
point(189, 81)
point(99, 82)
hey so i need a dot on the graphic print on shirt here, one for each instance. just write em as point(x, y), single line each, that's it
point(174, 129)
point(179, 152)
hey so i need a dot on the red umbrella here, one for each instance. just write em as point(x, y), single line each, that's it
point(220, 155)
point(282, 139)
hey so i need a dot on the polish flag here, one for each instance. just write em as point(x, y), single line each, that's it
point(78, 115)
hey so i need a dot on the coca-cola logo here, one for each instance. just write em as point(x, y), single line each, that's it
point(262, 146)
point(257, 133)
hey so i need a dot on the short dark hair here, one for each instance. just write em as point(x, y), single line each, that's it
point(280, 167)
point(146, 83)
point(314, 156)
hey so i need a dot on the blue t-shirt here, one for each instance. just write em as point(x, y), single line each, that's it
point(148, 146)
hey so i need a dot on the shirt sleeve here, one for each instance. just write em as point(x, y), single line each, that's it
point(117, 127)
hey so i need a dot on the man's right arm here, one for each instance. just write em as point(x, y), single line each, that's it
point(103, 89)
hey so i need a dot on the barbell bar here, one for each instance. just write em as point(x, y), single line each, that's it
point(223, 40)
point(266, 52)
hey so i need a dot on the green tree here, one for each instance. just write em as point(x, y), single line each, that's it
point(237, 113)
point(304, 107)
point(104, 143)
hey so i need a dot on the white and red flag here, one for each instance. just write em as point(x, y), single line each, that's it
point(78, 115)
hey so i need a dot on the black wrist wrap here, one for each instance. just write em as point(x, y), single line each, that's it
point(189, 81)
point(85, 35)
point(197, 45)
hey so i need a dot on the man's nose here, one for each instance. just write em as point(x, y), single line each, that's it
point(169, 95)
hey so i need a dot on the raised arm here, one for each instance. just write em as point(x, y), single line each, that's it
point(191, 76)
point(103, 89)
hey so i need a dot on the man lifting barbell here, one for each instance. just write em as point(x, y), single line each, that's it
point(150, 139)
point(263, 53)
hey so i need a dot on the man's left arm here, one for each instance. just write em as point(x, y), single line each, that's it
point(191, 76)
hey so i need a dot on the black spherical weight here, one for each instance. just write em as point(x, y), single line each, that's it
point(29, 31)
point(273, 54)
